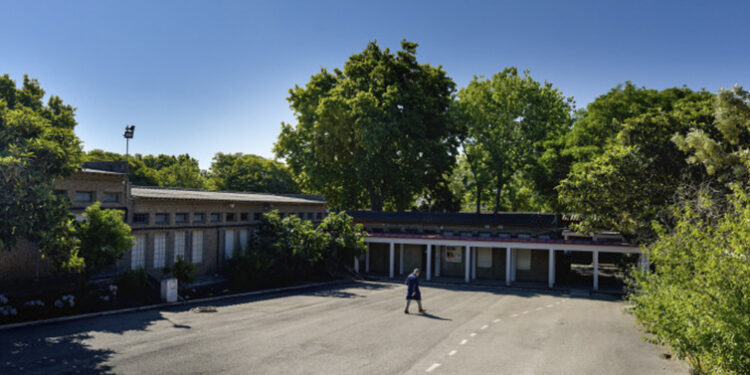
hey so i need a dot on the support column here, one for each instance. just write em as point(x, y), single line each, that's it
point(467, 261)
point(643, 260)
point(474, 263)
point(438, 257)
point(596, 270)
point(429, 262)
point(507, 266)
point(367, 260)
point(356, 264)
point(551, 272)
point(400, 259)
point(512, 265)
point(392, 260)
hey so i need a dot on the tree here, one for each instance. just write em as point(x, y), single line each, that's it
point(162, 170)
point(641, 171)
point(103, 237)
point(37, 146)
point(246, 172)
point(509, 118)
point(696, 302)
point(378, 133)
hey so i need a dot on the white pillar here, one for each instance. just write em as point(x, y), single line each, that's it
point(467, 261)
point(392, 260)
point(507, 266)
point(643, 259)
point(596, 270)
point(367, 260)
point(356, 264)
point(438, 257)
point(551, 273)
point(429, 262)
point(474, 263)
point(400, 259)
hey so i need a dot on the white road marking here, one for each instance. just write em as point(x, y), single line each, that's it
point(497, 320)
point(452, 352)
point(538, 308)
point(464, 341)
point(514, 315)
point(525, 312)
point(434, 366)
point(484, 326)
point(550, 305)
point(473, 334)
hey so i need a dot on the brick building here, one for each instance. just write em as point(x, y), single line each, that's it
point(205, 227)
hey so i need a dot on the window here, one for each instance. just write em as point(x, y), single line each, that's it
point(244, 216)
point(256, 216)
point(243, 239)
point(523, 262)
point(110, 198)
point(138, 252)
point(199, 218)
point(84, 196)
point(310, 216)
point(197, 246)
point(140, 219)
point(179, 245)
point(161, 219)
point(301, 215)
point(215, 218)
point(230, 216)
point(180, 218)
point(160, 249)
point(228, 244)
point(319, 215)
point(484, 257)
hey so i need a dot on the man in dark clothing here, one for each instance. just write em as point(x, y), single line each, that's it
point(413, 293)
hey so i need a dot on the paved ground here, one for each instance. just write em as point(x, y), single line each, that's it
point(352, 329)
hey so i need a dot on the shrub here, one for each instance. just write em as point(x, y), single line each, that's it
point(133, 283)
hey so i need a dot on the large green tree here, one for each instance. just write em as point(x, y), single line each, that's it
point(246, 172)
point(378, 133)
point(162, 170)
point(103, 237)
point(510, 120)
point(37, 146)
point(639, 171)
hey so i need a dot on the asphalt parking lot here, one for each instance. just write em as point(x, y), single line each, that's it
point(357, 328)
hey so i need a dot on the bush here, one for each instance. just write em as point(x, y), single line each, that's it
point(697, 301)
point(183, 271)
point(133, 283)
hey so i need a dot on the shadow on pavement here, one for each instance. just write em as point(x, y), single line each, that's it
point(431, 316)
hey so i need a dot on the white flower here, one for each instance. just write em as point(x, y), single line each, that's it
point(3, 299)
point(59, 304)
point(13, 311)
point(71, 303)
point(104, 298)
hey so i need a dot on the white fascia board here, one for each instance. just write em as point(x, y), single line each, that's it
point(510, 244)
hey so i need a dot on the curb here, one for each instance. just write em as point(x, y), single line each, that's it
point(32, 323)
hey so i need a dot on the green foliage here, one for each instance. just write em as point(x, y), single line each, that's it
point(133, 283)
point(510, 121)
point(245, 172)
point(103, 237)
point(640, 171)
point(162, 170)
point(183, 271)
point(377, 133)
point(697, 302)
point(37, 146)
point(287, 249)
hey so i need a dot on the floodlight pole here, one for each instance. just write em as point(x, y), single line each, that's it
point(129, 130)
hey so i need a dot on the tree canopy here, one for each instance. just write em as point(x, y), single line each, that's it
point(378, 133)
point(246, 172)
point(37, 146)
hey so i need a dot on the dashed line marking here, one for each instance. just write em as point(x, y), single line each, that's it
point(538, 308)
point(514, 315)
point(525, 312)
point(463, 342)
point(484, 326)
point(550, 305)
point(452, 352)
point(473, 334)
point(497, 320)
point(434, 366)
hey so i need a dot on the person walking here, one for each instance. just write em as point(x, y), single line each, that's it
point(412, 292)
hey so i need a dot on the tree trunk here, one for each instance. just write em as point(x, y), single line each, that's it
point(479, 197)
point(497, 192)
point(376, 201)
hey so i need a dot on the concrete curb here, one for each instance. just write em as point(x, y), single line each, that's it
point(32, 323)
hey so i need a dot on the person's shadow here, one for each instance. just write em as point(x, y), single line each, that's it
point(431, 316)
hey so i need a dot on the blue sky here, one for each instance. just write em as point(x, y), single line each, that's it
point(201, 77)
